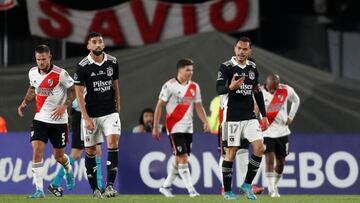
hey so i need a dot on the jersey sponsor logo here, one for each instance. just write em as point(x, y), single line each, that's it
point(102, 86)
point(101, 72)
point(44, 92)
point(109, 71)
point(245, 89)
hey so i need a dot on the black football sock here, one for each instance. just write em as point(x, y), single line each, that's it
point(112, 164)
point(90, 164)
point(253, 166)
point(227, 175)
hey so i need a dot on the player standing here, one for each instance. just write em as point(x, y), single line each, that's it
point(276, 96)
point(238, 81)
point(180, 95)
point(53, 90)
point(98, 73)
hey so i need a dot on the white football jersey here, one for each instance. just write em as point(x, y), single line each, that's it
point(279, 128)
point(177, 95)
point(50, 91)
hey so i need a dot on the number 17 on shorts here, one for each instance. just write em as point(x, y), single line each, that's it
point(232, 132)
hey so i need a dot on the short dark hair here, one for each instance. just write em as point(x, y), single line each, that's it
point(244, 39)
point(184, 62)
point(93, 34)
point(146, 110)
point(42, 49)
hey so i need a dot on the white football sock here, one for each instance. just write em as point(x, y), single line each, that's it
point(67, 165)
point(270, 179)
point(37, 169)
point(220, 170)
point(172, 173)
point(277, 178)
point(242, 159)
point(186, 176)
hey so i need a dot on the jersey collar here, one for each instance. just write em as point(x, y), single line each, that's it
point(237, 64)
point(91, 60)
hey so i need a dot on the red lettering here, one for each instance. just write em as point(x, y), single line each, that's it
point(56, 13)
point(189, 18)
point(222, 25)
point(150, 32)
point(106, 23)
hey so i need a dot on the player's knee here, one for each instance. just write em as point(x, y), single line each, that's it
point(259, 149)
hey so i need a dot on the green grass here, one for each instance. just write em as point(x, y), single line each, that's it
point(185, 199)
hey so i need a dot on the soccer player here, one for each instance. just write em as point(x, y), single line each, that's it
point(77, 147)
point(100, 107)
point(53, 90)
point(180, 95)
point(242, 155)
point(276, 96)
point(238, 81)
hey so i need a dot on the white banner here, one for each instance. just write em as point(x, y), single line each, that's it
point(140, 22)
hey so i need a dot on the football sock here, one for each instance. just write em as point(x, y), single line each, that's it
point(227, 175)
point(38, 170)
point(98, 172)
point(186, 176)
point(112, 166)
point(90, 165)
point(172, 173)
point(253, 166)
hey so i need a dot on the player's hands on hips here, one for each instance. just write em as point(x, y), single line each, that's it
point(289, 121)
point(89, 124)
point(235, 84)
point(21, 108)
point(58, 112)
point(156, 133)
point(265, 123)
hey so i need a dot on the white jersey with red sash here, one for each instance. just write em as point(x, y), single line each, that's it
point(180, 105)
point(50, 91)
point(276, 110)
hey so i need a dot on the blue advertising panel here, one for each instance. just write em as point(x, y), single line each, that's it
point(316, 164)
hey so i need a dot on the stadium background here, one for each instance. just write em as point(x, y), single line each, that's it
point(312, 45)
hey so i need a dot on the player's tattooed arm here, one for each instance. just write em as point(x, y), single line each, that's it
point(117, 94)
point(30, 95)
point(70, 96)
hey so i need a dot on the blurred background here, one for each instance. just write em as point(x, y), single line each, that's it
point(313, 45)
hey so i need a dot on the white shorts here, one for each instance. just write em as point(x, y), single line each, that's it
point(105, 125)
point(234, 131)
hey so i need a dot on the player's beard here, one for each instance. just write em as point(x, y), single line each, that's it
point(97, 52)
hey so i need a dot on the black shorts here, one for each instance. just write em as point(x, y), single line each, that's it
point(181, 143)
point(277, 145)
point(57, 133)
point(76, 141)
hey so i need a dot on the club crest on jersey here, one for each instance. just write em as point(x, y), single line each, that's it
point(192, 92)
point(251, 75)
point(179, 148)
point(50, 82)
point(109, 71)
point(280, 97)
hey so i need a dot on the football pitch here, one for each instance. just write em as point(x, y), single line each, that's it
point(184, 199)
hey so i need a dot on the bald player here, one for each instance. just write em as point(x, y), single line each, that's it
point(276, 97)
